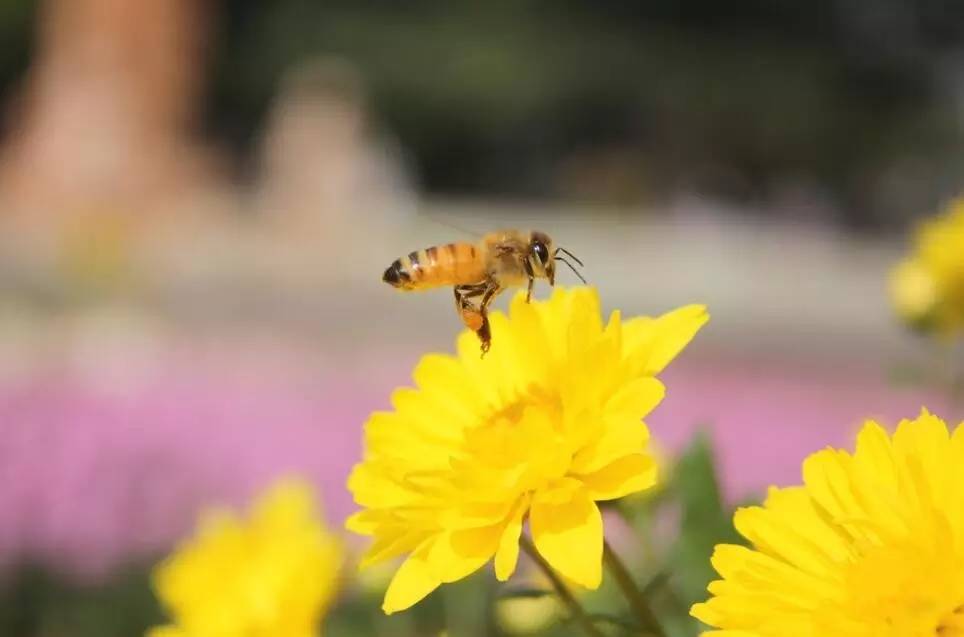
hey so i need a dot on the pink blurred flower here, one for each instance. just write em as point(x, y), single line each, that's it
point(91, 478)
point(765, 419)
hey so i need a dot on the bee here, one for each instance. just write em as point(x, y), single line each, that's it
point(479, 271)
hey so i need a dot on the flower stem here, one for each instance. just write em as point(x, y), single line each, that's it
point(637, 601)
point(579, 615)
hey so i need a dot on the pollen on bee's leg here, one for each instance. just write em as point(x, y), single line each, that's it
point(472, 319)
point(485, 335)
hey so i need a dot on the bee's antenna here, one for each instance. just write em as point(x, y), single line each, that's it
point(572, 268)
point(571, 256)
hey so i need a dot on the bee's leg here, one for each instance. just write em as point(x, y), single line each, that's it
point(490, 291)
point(470, 314)
point(532, 281)
point(485, 335)
point(484, 332)
point(465, 292)
point(460, 301)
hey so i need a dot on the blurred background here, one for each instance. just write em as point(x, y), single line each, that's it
point(198, 198)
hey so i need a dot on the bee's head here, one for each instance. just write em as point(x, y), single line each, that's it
point(543, 255)
point(540, 257)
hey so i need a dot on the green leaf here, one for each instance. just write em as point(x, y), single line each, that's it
point(705, 520)
point(468, 604)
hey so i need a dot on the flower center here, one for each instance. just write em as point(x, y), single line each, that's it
point(909, 589)
point(534, 397)
point(524, 442)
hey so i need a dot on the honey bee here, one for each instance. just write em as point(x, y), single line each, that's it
point(480, 271)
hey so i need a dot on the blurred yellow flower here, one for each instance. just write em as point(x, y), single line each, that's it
point(271, 574)
point(527, 615)
point(531, 614)
point(872, 544)
point(548, 423)
point(927, 287)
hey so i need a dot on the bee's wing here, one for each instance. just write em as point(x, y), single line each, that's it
point(452, 226)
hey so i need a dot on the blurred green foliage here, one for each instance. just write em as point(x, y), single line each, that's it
point(705, 520)
point(17, 35)
point(677, 527)
point(35, 603)
point(626, 99)
point(616, 99)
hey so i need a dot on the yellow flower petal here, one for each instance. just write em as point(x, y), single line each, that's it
point(637, 398)
point(627, 475)
point(362, 522)
point(391, 546)
point(507, 555)
point(656, 342)
point(624, 431)
point(568, 533)
point(457, 554)
point(791, 527)
point(413, 581)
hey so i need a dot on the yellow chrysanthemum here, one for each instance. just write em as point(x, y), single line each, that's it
point(872, 544)
point(927, 288)
point(271, 574)
point(548, 423)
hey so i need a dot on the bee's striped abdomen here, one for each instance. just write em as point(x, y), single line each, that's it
point(449, 264)
point(395, 275)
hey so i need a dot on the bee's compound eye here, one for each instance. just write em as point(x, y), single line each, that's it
point(541, 252)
